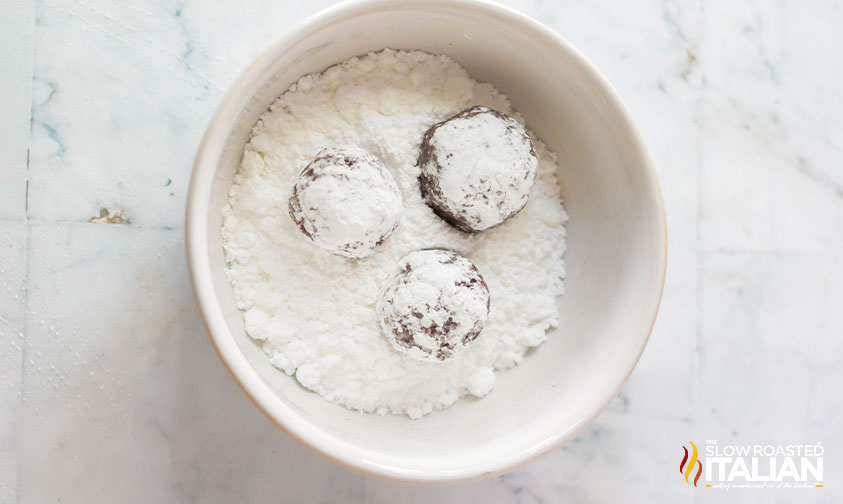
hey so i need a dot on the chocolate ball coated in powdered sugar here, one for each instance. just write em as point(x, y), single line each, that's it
point(346, 201)
point(433, 305)
point(477, 168)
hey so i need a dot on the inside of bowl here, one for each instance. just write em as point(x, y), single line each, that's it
point(615, 254)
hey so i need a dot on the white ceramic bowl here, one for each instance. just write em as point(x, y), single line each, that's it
point(615, 259)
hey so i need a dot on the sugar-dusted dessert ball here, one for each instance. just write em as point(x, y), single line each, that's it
point(346, 201)
point(477, 168)
point(433, 305)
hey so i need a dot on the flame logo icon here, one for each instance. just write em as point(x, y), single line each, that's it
point(687, 470)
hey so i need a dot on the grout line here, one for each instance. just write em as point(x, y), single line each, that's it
point(27, 255)
point(695, 406)
point(138, 227)
point(29, 221)
point(26, 197)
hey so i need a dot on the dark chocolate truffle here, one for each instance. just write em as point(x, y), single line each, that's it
point(433, 305)
point(477, 168)
point(346, 201)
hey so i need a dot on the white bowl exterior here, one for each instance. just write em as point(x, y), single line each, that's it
point(615, 259)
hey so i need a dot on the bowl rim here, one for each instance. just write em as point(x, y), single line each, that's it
point(346, 454)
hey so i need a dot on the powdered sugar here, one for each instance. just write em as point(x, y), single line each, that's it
point(313, 312)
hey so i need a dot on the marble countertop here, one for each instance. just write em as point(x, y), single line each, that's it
point(110, 392)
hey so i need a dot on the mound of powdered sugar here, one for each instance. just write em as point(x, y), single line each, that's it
point(313, 312)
